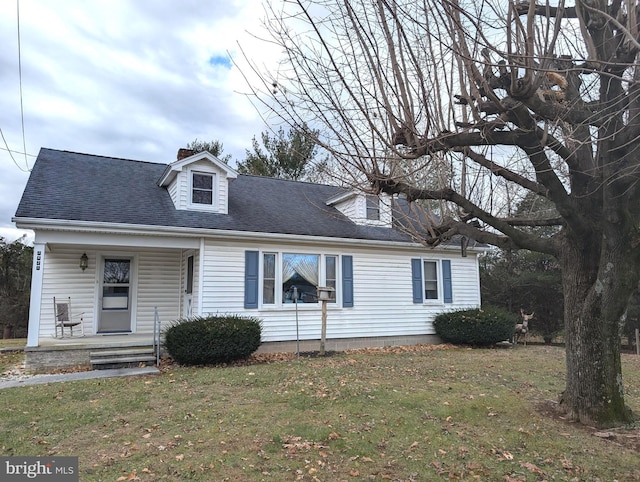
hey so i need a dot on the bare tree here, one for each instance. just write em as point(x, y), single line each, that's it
point(494, 99)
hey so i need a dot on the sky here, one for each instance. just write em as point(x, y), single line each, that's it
point(135, 79)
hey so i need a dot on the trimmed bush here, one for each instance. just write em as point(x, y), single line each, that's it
point(212, 339)
point(475, 327)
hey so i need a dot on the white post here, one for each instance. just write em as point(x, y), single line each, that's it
point(35, 303)
point(323, 335)
point(637, 341)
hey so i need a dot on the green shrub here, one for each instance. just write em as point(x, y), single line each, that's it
point(212, 339)
point(475, 327)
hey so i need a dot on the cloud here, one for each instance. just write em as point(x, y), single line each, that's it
point(124, 79)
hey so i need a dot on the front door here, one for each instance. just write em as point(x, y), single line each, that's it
point(115, 302)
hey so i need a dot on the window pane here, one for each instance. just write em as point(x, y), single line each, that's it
point(203, 181)
point(430, 280)
point(269, 266)
point(268, 292)
point(430, 270)
point(116, 270)
point(189, 288)
point(373, 208)
point(331, 267)
point(431, 290)
point(269, 279)
point(202, 197)
point(330, 281)
point(301, 271)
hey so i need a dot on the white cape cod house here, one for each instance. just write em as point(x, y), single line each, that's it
point(124, 240)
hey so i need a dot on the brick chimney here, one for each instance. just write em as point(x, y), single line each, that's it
point(182, 153)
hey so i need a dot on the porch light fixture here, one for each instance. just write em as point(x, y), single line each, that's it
point(84, 261)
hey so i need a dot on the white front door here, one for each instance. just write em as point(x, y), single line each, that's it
point(187, 309)
point(115, 296)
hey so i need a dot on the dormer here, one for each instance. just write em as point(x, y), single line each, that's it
point(364, 209)
point(198, 182)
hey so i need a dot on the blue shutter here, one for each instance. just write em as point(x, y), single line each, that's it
point(416, 279)
point(251, 265)
point(446, 279)
point(347, 281)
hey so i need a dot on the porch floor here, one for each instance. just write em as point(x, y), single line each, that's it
point(94, 341)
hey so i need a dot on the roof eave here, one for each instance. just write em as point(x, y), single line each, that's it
point(36, 224)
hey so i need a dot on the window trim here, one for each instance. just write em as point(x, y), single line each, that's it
point(444, 280)
point(439, 297)
point(214, 190)
point(372, 208)
point(278, 303)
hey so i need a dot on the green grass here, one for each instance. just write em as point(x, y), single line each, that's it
point(13, 342)
point(456, 414)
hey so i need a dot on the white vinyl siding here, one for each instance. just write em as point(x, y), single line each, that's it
point(383, 304)
point(157, 284)
point(63, 278)
point(382, 287)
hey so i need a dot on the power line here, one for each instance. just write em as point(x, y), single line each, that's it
point(11, 153)
point(24, 140)
point(17, 152)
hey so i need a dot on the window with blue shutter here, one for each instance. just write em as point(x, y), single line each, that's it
point(347, 281)
point(251, 279)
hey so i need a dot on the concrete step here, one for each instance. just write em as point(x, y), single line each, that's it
point(122, 357)
point(121, 352)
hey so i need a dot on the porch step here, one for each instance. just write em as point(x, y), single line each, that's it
point(122, 357)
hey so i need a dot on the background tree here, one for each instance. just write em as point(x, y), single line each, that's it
point(15, 285)
point(285, 155)
point(525, 279)
point(513, 97)
point(633, 321)
point(214, 147)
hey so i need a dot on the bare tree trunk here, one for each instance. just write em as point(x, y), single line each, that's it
point(596, 292)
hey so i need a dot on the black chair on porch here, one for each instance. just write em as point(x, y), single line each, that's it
point(65, 319)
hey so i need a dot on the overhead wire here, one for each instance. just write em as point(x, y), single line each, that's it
point(24, 140)
point(11, 153)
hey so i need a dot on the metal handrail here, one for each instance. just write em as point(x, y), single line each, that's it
point(156, 335)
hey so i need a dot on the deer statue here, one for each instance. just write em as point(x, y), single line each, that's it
point(522, 329)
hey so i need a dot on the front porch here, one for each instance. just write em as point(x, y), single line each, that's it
point(90, 352)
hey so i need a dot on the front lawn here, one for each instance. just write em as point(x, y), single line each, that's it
point(424, 413)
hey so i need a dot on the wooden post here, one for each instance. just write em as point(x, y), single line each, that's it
point(637, 341)
point(323, 335)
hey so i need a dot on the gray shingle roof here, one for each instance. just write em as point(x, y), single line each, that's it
point(83, 187)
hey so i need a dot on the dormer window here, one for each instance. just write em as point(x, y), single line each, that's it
point(373, 208)
point(199, 182)
point(202, 188)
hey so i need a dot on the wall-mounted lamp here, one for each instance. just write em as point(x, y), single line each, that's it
point(84, 261)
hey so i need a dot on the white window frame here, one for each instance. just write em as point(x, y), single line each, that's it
point(279, 303)
point(214, 190)
point(439, 281)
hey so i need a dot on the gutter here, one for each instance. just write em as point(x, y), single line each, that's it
point(36, 224)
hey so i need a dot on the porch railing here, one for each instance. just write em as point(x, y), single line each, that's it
point(156, 335)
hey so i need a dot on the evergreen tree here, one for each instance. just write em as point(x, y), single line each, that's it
point(214, 147)
point(286, 155)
